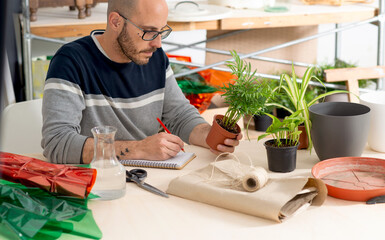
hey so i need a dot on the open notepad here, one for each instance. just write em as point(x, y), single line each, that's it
point(177, 162)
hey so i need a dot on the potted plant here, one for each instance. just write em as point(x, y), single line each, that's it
point(263, 121)
point(297, 94)
point(282, 149)
point(246, 95)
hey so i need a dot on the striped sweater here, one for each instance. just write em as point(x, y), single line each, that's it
point(84, 89)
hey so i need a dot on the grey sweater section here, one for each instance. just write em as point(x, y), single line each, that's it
point(70, 112)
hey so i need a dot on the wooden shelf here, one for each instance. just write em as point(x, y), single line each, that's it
point(60, 22)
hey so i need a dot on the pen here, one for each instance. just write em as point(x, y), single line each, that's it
point(165, 128)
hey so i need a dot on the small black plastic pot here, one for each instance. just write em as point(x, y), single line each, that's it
point(282, 113)
point(262, 122)
point(282, 159)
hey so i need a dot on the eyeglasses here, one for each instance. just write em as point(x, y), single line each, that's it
point(150, 35)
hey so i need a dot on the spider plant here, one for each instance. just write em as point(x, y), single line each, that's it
point(296, 93)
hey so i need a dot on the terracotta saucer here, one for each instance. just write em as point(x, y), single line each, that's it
point(352, 178)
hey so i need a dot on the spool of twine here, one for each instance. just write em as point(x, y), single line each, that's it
point(254, 179)
point(248, 178)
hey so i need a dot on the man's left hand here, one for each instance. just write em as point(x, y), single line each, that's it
point(228, 146)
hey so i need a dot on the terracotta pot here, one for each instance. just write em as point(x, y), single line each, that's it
point(303, 139)
point(281, 159)
point(218, 134)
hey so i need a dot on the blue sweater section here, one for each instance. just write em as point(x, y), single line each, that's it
point(94, 72)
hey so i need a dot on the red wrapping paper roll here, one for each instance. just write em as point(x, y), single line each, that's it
point(58, 179)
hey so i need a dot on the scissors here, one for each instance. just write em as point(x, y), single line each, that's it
point(137, 176)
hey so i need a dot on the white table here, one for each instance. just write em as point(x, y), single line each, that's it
point(143, 215)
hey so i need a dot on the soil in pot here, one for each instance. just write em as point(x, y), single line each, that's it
point(232, 129)
point(281, 159)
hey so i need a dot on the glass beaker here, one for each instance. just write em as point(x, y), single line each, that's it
point(111, 175)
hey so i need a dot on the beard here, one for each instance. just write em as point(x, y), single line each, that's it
point(127, 47)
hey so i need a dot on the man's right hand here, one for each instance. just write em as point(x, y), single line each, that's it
point(160, 146)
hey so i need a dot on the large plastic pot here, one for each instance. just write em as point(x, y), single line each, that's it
point(376, 102)
point(339, 129)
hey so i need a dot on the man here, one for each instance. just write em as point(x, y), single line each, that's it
point(120, 77)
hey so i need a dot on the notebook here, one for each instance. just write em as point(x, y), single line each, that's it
point(177, 162)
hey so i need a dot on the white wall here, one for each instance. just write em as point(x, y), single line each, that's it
point(185, 38)
point(358, 45)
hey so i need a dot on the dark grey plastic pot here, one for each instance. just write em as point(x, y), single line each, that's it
point(262, 122)
point(282, 159)
point(339, 129)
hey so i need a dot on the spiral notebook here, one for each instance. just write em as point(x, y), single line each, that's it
point(177, 162)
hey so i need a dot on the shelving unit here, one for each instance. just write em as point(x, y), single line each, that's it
point(52, 27)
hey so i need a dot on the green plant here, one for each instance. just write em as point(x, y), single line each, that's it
point(279, 97)
point(282, 98)
point(285, 132)
point(296, 93)
point(246, 96)
point(319, 72)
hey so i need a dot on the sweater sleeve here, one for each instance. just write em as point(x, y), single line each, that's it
point(63, 103)
point(179, 115)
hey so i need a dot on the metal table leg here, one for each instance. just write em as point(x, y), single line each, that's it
point(27, 55)
point(381, 43)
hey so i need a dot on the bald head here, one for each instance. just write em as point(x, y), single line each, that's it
point(129, 7)
point(123, 6)
point(127, 23)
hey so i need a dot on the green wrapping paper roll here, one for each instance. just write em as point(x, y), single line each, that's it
point(192, 87)
point(32, 213)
